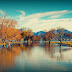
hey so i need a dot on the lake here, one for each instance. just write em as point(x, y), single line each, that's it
point(36, 57)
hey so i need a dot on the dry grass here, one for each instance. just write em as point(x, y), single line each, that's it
point(68, 43)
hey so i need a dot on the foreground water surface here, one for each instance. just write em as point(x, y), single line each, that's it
point(36, 57)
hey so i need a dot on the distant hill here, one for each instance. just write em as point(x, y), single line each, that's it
point(39, 33)
point(64, 31)
point(42, 32)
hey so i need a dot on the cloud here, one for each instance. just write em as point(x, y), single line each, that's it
point(35, 22)
point(23, 13)
point(40, 15)
point(3, 13)
point(38, 25)
point(55, 16)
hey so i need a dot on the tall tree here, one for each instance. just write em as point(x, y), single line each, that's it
point(60, 34)
point(27, 34)
point(68, 35)
point(7, 29)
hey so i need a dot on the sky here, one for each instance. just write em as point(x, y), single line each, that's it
point(38, 15)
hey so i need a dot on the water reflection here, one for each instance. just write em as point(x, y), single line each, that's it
point(35, 55)
point(7, 56)
point(50, 49)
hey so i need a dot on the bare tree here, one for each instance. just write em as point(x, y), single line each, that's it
point(58, 35)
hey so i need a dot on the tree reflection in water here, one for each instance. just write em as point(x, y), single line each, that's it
point(7, 55)
point(59, 58)
point(50, 49)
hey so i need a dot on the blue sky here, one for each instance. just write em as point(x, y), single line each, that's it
point(39, 14)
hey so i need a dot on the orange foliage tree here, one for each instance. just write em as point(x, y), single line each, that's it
point(49, 36)
point(8, 31)
point(27, 34)
point(36, 38)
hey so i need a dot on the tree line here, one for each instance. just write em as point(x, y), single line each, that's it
point(8, 32)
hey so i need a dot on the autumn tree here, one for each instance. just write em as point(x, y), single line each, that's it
point(68, 35)
point(54, 34)
point(49, 35)
point(16, 35)
point(27, 34)
point(7, 29)
point(36, 38)
point(59, 34)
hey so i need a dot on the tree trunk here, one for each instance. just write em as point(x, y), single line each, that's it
point(4, 43)
point(49, 41)
point(60, 40)
point(9, 43)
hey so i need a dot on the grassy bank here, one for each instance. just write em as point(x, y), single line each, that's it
point(67, 43)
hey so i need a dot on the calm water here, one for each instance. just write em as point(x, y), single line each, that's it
point(36, 57)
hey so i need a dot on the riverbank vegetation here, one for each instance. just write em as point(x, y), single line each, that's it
point(9, 33)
